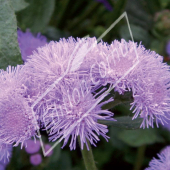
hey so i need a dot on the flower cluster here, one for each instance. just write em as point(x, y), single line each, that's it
point(125, 66)
point(63, 85)
point(130, 67)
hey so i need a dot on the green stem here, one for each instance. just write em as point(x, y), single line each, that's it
point(140, 157)
point(88, 157)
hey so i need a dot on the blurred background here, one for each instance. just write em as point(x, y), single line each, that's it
point(150, 25)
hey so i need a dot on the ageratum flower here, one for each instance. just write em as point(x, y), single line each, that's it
point(12, 81)
point(28, 43)
point(163, 161)
point(59, 58)
point(5, 152)
point(152, 96)
point(113, 63)
point(76, 115)
point(17, 123)
point(130, 67)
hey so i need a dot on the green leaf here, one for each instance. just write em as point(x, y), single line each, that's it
point(118, 99)
point(9, 49)
point(139, 34)
point(157, 46)
point(136, 138)
point(19, 4)
point(53, 33)
point(115, 142)
point(37, 15)
point(64, 162)
point(124, 122)
point(106, 155)
point(139, 16)
point(130, 156)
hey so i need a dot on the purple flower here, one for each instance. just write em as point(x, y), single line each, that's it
point(106, 4)
point(152, 96)
point(163, 161)
point(17, 122)
point(35, 159)
point(74, 114)
point(112, 64)
point(5, 153)
point(12, 81)
point(32, 147)
point(55, 58)
point(28, 43)
point(148, 80)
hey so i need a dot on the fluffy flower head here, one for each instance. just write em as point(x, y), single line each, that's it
point(59, 58)
point(152, 97)
point(12, 81)
point(28, 43)
point(76, 114)
point(16, 118)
